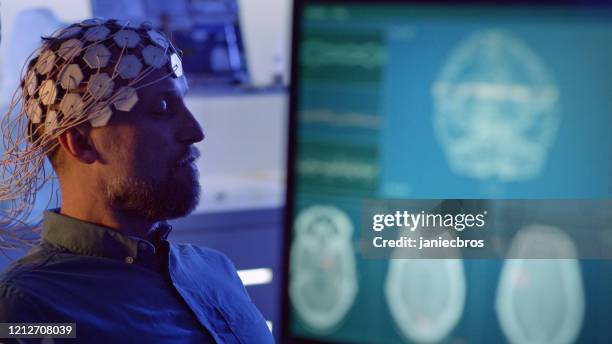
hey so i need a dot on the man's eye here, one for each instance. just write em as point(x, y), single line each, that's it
point(162, 107)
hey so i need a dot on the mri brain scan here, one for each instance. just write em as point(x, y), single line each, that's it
point(426, 297)
point(541, 300)
point(323, 273)
point(495, 108)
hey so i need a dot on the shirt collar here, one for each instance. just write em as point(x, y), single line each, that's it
point(90, 239)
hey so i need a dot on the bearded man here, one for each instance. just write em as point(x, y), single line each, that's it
point(104, 102)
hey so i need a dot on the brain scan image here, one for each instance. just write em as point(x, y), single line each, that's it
point(323, 281)
point(426, 297)
point(496, 108)
point(541, 300)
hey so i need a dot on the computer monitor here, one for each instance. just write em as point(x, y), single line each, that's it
point(445, 100)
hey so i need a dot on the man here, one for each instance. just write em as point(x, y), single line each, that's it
point(108, 100)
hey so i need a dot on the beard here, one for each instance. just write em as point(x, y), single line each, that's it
point(169, 198)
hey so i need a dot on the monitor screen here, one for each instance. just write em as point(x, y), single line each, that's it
point(405, 101)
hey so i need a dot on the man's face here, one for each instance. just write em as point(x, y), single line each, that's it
point(142, 153)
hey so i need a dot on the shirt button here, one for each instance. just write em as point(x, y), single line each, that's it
point(129, 260)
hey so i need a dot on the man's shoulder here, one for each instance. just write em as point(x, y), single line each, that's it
point(39, 256)
point(15, 297)
point(12, 300)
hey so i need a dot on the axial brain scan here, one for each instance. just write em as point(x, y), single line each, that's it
point(425, 296)
point(496, 108)
point(323, 278)
point(541, 300)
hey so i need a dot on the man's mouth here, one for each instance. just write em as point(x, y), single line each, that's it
point(190, 156)
point(186, 161)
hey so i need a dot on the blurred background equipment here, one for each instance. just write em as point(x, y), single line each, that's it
point(402, 100)
point(208, 32)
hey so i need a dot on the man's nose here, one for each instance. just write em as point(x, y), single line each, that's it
point(190, 130)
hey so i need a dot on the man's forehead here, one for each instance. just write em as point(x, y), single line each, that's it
point(168, 86)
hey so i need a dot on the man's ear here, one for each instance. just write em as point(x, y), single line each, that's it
point(77, 143)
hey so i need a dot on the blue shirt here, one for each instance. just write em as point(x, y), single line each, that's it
point(123, 289)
